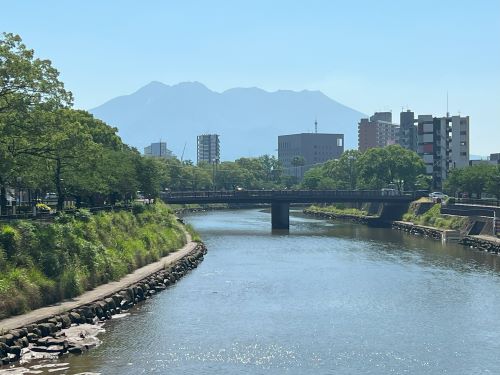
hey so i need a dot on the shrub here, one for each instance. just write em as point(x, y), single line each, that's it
point(9, 239)
point(138, 208)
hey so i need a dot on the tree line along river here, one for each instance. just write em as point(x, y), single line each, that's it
point(324, 298)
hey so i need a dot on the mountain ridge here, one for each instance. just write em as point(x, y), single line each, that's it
point(248, 120)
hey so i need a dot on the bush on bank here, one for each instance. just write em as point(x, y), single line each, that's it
point(339, 209)
point(44, 263)
point(433, 218)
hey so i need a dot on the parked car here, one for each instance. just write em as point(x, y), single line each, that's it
point(437, 195)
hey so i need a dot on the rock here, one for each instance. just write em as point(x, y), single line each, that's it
point(66, 321)
point(117, 298)
point(76, 350)
point(87, 311)
point(30, 328)
point(24, 342)
point(111, 303)
point(4, 348)
point(46, 328)
point(5, 361)
point(9, 339)
point(75, 318)
point(55, 349)
point(15, 334)
point(32, 337)
point(16, 350)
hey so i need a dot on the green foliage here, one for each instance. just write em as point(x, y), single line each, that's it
point(138, 208)
point(46, 263)
point(339, 209)
point(474, 180)
point(433, 218)
point(374, 169)
point(9, 239)
point(194, 235)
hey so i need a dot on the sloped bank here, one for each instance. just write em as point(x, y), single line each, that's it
point(358, 219)
point(47, 336)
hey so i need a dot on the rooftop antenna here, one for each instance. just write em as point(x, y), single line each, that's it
point(184, 149)
point(316, 125)
point(447, 112)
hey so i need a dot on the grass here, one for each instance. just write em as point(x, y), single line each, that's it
point(433, 218)
point(194, 235)
point(339, 210)
point(42, 264)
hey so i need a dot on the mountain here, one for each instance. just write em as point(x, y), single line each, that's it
point(248, 120)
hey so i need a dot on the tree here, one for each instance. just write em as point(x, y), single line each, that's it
point(393, 164)
point(297, 161)
point(493, 183)
point(27, 84)
point(472, 180)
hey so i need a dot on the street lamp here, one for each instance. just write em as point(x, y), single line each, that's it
point(215, 161)
point(351, 159)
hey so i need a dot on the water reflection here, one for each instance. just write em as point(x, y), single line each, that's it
point(323, 298)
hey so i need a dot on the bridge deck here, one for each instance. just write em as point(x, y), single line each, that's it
point(289, 196)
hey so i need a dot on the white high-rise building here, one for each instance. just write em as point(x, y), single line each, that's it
point(443, 144)
point(208, 147)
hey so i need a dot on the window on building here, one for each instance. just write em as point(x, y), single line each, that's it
point(339, 142)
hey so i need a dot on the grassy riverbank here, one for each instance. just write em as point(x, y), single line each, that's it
point(433, 218)
point(44, 263)
point(338, 210)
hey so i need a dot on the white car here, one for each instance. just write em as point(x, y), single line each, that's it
point(437, 195)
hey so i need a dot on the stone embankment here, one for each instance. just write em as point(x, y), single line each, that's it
point(47, 335)
point(336, 216)
point(483, 243)
point(418, 230)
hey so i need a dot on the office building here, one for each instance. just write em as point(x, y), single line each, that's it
point(495, 158)
point(377, 131)
point(158, 150)
point(443, 144)
point(208, 147)
point(310, 149)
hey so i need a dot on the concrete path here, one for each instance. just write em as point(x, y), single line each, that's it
point(483, 237)
point(98, 293)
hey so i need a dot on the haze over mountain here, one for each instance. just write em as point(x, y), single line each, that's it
point(248, 120)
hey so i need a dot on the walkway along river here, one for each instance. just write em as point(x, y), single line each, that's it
point(325, 298)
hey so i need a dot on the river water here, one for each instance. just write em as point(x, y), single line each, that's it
point(323, 299)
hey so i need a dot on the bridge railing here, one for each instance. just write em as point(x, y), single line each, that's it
point(221, 194)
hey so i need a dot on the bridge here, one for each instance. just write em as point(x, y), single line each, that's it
point(280, 199)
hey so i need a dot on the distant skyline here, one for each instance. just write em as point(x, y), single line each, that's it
point(369, 55)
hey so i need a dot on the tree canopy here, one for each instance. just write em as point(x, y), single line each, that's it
point(374, 169)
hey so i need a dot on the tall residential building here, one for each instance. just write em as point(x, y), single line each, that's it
point(208, 147)
point(311, 148)
point(158, 150)
point(443, 144)
point(407, 130)
point(377, 131)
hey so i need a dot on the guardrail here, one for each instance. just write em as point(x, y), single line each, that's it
point(283, 194)
point(476, 202)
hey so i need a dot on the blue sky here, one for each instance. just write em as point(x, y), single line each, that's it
point(370, 55)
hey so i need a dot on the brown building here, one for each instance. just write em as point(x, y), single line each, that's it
point(378, 131)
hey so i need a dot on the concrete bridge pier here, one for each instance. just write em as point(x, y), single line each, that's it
point(280, 215)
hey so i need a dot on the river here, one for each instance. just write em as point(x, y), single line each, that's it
point(323, 299)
